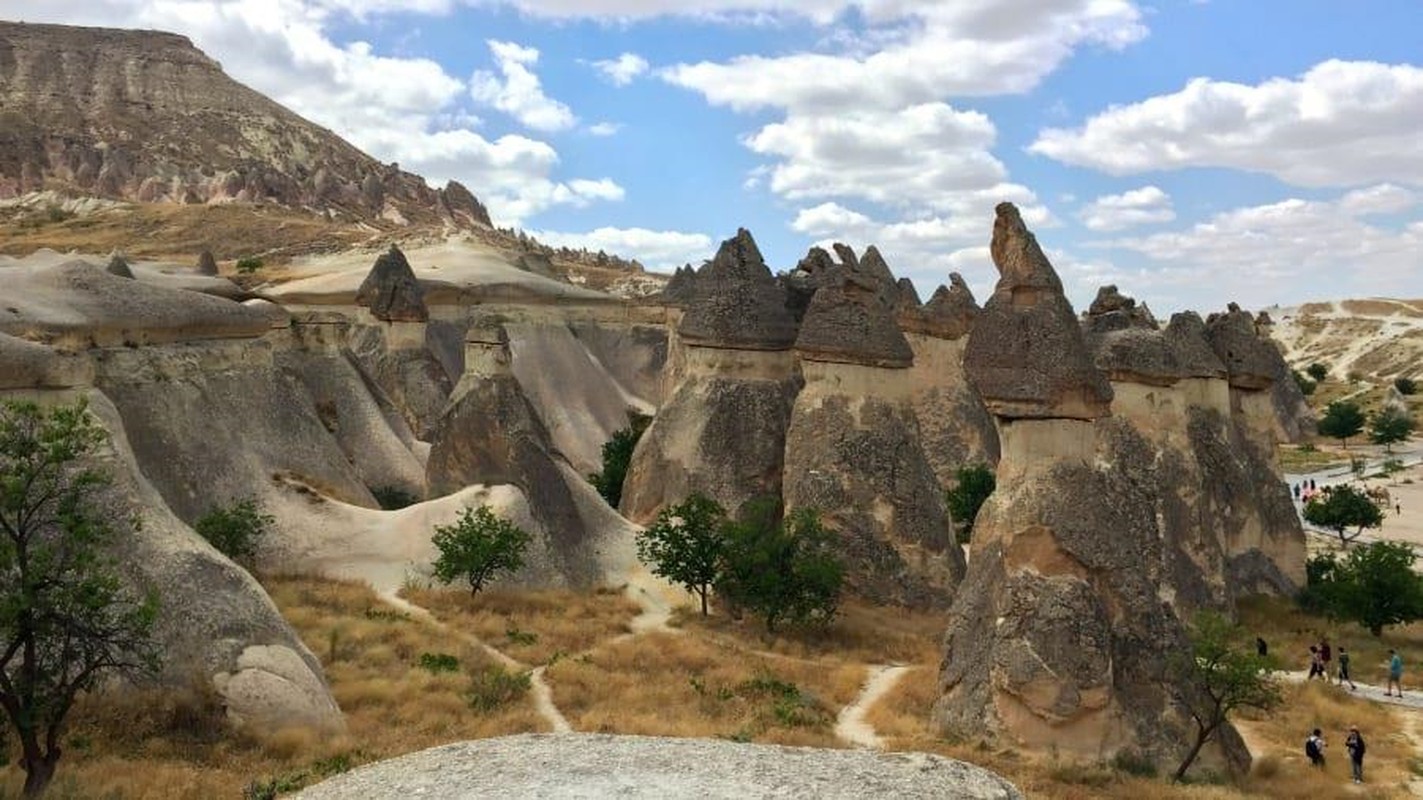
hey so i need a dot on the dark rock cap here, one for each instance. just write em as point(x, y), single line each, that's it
point(207, 265)
point(1026, 356)
point(849, 322)
point(391, 291)
point(1186, 336)
point(949, 314)
point(815, 261)
point(118, 265)
point(682, 288)
point(738, 305)
point(1249, 360)
point(1134, 355)
point(1114, 311)
point(907, 297)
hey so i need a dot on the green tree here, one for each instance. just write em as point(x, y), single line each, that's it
point(1375, 586)
point(67, 621)
point(617, 456)
point(1222, 673)
point(686, 545)
point(1389, 426)
point(1342, 419)
point(478, 546)
point(784, 570)
point(975, 484)
point(1318, 371)
point(236, 530)
point(1405, 386)
point(1306, 386)
point(1343, 507)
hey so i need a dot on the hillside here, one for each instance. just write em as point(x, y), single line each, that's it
point(1374, 339)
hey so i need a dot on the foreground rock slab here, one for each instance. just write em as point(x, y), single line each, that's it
point(598, 765)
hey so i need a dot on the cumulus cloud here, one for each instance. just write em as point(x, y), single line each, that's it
point(622, 70)
point(604, 128)
point(402, 109)
point(1286, 251)
point(1114, 212)
point(517, 91)
point(1342, 123)
point(658, 250)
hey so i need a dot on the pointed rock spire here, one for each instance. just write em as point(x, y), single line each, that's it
point(738, 305)
point(118, 265)
point(391, 291)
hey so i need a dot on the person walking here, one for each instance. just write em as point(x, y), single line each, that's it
point(1355, 745)
point(1344, 668)
point(1314, 748)
point(1325, 656)
point(1315, 667)
point(1395, 673)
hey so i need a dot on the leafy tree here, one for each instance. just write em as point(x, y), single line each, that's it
point(67, 622)
point(1405, 386)
point(237, 530)
point(975, 484)
point(781, 569)
point(1222, 673)
point(1388, 426)
point(1306, 386)
point(478, 546)
point(1343, 507)
point(1318, 371)
point(1342, 419)
point(1375, 586)
point(617, 456)
point(686, 545)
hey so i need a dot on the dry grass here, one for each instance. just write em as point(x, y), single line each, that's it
point(1295, 459)
point(680, 685)
point(1290, 631)
point(153, 745)
point(534, 627)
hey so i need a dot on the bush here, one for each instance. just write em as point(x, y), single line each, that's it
point(1375, 586)
point(493, 687)
point(1134, 763)
point(617, 456)
point(975, 484)
point(781, 570)
point(478, 546)
point(391, 498)
point(1306, 386)
point(249, 264)
point(1355, 376)
point(236, 531)
point(439, 662)
point(1405, 386)
point(686, 545)
point(1319, 371)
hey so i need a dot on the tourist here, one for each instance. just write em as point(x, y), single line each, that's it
point(1355, 744)
point(1261, 649)
point(1316, 667)
point(1344, 668)
point(1294, 490)
point(1398, 509)
point(1325, 656)
point(1314, 748)
point(1395, 673)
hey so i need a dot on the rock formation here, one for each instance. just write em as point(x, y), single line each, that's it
point(1109, 524)
point(391, 291)
point(722, 430)
point(144, 116)
point(682, 288)
point(853, 451)
point(207, 264)
point(118, 265)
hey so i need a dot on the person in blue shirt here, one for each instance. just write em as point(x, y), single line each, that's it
point(1395, 674)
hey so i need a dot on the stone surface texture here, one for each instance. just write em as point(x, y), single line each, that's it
point(391, 291)
point(738, 304)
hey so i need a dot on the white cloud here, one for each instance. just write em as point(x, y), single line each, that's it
point(406, 110)
point(658, 250)
point(519, 94)
point(1114, 212)
point(1285, 251)
point(1342, 123)
point(623, 69)
point(604, 128)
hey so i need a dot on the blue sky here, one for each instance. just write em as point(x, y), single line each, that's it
point(1192, 152)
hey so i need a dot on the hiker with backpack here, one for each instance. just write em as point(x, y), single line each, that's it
point(1355, 744)
point(1314, 748)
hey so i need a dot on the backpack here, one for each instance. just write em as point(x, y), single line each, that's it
point(1311, 748)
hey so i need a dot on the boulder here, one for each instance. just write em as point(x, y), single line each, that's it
point(1026, 356)
point(207, 265)
point(391, 291)
point(118, 265)
point(738, 304)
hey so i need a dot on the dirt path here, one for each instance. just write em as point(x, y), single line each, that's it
point(1412, 700)
point(543, 701)
point(851, 725)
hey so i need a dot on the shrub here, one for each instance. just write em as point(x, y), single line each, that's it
point(439, 662)
point(975, 483)
point(1374, 586)
point(1134, 763)
point(493, 687)
point(782, 570)
point(1405, 386)
point(478, 546)
point(617, 456)
point(1318, 370)
point(237, 530)
point(249, 264)
point(1355, 376)
point(391, 498)
point(1306, 386)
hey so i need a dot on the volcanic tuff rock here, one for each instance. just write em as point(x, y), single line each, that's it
point(207, 264)
point(391, 291)
point(738, 305)
point(144, 116)
point(849, 320)
point(682, 288)
point(1026, 357)
point(1249, 359)
point(949, 314)
point(118, 265)
point(1114, 311)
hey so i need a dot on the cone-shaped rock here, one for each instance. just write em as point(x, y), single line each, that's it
point(1114, 311)
point(1186, 336)
point(118, 265)
point(682, 288)
point(849, 322)
point(1026, 356)
point(391, 291)
point(949, 314)
point(1249, 359)
point(738, 303)
point(207, 265)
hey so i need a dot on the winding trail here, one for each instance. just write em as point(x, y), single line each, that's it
point(851, 726)
point(1411, 700)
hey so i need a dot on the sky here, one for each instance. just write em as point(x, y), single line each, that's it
point(1193, 153)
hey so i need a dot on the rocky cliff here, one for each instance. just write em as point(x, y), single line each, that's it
point(144, 116)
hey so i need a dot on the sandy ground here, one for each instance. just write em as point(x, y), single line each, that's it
point(851, 726)
point(1404, 518)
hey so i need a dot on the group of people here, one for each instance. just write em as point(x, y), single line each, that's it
point(1321, 655)
point(1354, 743)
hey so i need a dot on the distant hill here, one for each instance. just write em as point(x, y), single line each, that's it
point(1374, 339)
point(143, 116)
